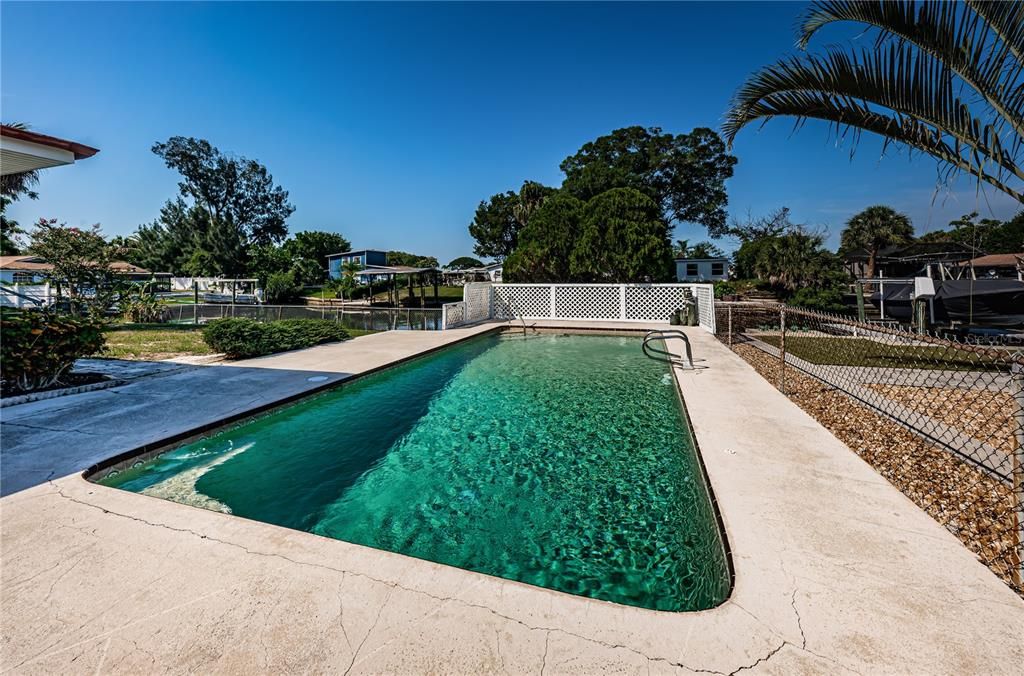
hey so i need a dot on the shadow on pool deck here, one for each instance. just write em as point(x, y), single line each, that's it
point(56, 437)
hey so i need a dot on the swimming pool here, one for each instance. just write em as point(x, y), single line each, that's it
point(559, 461)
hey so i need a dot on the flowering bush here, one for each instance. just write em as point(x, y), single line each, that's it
point(37, 347)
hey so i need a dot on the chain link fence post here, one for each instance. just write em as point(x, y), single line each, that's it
point(782, 350)
point(1017, 555)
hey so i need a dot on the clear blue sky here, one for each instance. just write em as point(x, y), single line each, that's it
point(390, 122)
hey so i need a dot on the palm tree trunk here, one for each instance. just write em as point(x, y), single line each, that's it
point(869, 267)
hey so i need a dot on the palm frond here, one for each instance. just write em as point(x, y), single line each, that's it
point(847, 113)
point(979, 41)
point(903, 80)
point(1006, 19)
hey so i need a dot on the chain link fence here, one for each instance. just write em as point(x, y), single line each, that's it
point(363, 318)
point(940, 418)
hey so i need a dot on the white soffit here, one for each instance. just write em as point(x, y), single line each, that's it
point(18, 156)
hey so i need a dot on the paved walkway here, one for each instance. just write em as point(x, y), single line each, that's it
point(836, 572)
point(55, 437)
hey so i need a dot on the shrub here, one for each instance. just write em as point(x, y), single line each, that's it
point(725, 288)
point(282, 287)
point(140, 307)
point(828, 299)
point(38, 347)
point(239, 338)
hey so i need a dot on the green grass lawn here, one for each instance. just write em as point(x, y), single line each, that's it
point(153, 341)
point(163, 341)
point(865, 352)
point(445, 294)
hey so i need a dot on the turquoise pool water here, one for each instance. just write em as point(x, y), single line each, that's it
point(560, 461)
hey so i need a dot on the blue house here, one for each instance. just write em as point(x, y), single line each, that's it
point(365, 258)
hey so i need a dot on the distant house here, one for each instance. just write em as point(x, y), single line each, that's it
point(486, 273)
point(23, 269)
point(908, 260)
point(702, 269)
point(34, 270)
point(997, 266)
point(365, 258)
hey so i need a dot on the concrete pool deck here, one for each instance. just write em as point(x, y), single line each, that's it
point(836, 571)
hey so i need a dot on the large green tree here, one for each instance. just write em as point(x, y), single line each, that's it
point(411, 260)
point(463, 263)
point(684, 174)
point(622, 239)
point(234, 191)
point(986, 235)
point(498, 220)
point(167, 244)
point(874, 228)
point(547, 242)
point(941, 78)
point(308, 251)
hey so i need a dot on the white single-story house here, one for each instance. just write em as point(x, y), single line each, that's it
point(485, 273)
point(28, 269)
point(23, 269)
point(702, 269)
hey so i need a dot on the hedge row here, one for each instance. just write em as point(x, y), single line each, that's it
point(37, 348)
point(239, 338)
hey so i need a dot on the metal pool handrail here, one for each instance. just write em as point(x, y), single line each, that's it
point(664, 355)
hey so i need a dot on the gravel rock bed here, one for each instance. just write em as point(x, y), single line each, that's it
point(976, 508)
point(980, 413)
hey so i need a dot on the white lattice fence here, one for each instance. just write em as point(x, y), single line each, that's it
point(453, 314)
point(705, 305)
point(612, 302)
point(652, 302)
point(587, 301)
point(522, 300)
point(609, 302)
point(479, 300)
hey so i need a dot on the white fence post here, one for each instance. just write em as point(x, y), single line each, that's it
point(622, 302)
point(553, 315)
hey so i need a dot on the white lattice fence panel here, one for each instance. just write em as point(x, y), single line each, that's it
point(522, 300)
point(478, 297)
point(705, 305)
point(652, 302)
point(588, 302)
point(453, 314)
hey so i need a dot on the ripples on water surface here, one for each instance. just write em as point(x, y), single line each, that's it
point(560, 461)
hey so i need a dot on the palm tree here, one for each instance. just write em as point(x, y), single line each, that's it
point(874, 228)
point(795, 260)
point(349, 270)
point(942, 78)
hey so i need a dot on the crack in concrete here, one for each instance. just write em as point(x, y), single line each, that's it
point(442, 599)
point(544, 662)
point(341, 610)
point(799, 622)
point(370, 630)
point(760, 660)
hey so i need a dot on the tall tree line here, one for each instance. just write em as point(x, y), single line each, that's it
point(612, 218)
